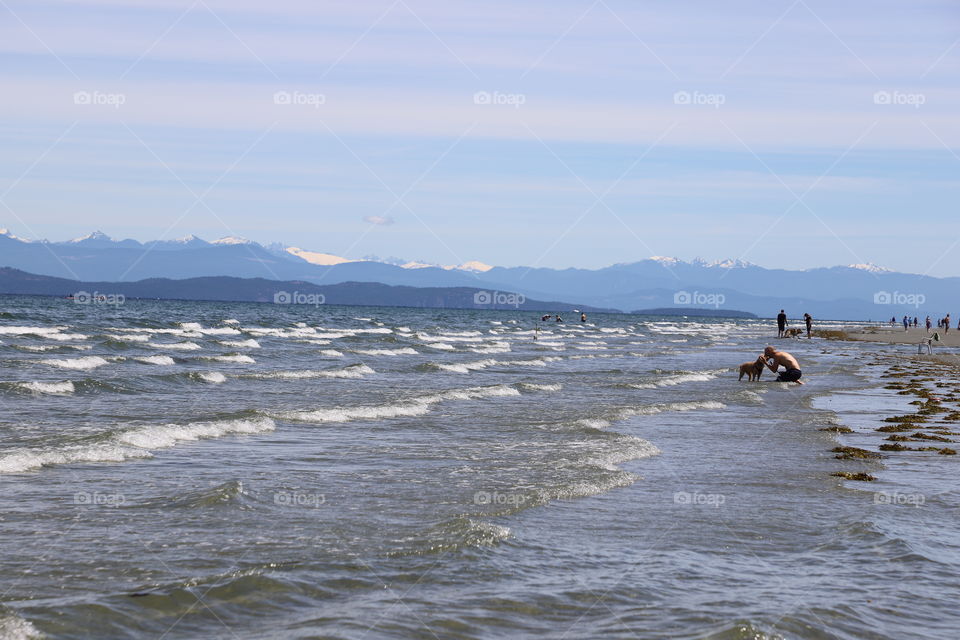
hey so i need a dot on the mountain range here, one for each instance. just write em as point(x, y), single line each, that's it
point(855, 292)
point(293, 294)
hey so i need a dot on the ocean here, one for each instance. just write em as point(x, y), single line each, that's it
point(200, 470)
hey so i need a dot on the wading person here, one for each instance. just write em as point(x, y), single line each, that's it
point(781, 323)
point(774, 359)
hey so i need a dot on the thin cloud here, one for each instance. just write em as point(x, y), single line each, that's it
point(379, 220)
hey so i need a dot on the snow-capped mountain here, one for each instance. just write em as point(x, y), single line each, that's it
point(313, 257)
point(8, 234)
point(853, 291)
point(869, 267)
point(186, 242)
point(232, 240)
point(100, 240)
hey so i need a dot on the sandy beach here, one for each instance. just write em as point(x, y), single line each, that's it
point(896, 335)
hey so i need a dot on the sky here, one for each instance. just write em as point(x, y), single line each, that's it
point(790, 134)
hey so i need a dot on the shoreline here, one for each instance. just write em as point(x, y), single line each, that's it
point(896, 335)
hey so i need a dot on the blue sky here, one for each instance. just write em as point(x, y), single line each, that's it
point(791, 133)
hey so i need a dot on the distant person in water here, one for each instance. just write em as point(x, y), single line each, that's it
point(781, 323)
point(559, 319)
point(773, 359)
point(808, 320)
point(583, 317)
point(545, 318)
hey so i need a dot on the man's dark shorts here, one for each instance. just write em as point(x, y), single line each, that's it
point(790, 375)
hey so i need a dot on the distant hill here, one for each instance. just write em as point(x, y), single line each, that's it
point(229, 289)
point(697, 313)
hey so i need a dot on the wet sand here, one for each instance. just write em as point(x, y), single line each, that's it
point(896, 335)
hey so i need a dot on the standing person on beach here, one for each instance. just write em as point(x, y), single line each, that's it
point(781, 323)
point(906, 323)
point(928, 324)
point(808, 320)
point(946, 324)
point(773, 359)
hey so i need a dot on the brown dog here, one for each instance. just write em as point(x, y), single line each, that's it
point(793, 333)
point(751, 369)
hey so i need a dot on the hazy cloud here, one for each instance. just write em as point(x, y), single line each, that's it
point(380, 220)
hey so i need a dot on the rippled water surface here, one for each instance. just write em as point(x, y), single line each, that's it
point(197, 470)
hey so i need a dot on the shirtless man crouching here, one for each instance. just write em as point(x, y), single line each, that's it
point(774, 359)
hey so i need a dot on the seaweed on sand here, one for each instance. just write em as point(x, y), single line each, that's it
point(853, 453)
point(896, 446)
point(927, 436)
point(850, 475)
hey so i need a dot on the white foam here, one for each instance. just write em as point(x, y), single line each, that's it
point(494, 347)
point(231, 321)
point(219, 331)
point(406, 351)
point(13, 627)
point(449, 338)
point(353, 371)
point(164, 436)
point(213, 377)
point(467, 367)
point(131, 444)
point(54, 388)
point(190, 326)
point(63, 337)
point(240, 358)
point(179, 346)
point(129, 337)
point(241, 344)
point(160, 360)
point(670, 381)
point(540, 387)
point(593, 423)
point(442, 346)
point(331, 353)
point(408, 408)
point(85, 363)
point(672, 406)
point(29, 331)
